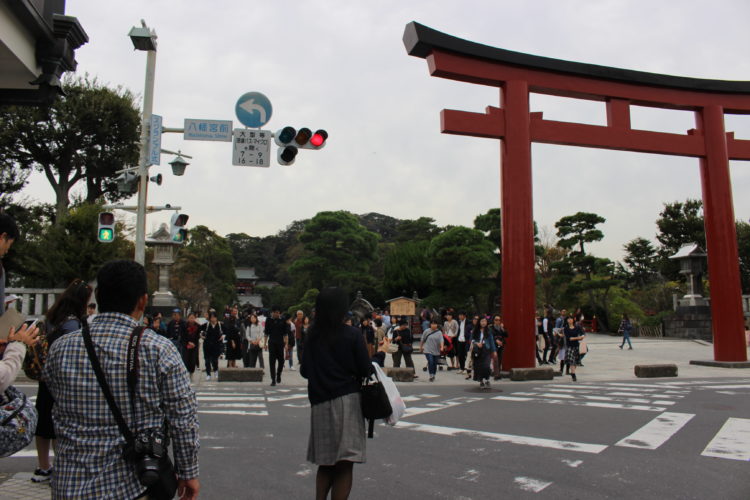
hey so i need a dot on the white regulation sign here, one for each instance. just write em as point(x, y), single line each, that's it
point(251, 147)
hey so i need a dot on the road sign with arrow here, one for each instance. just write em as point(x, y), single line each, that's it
point(253, 109)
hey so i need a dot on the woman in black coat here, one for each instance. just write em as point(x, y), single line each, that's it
point(213, 344)
point(334, 363)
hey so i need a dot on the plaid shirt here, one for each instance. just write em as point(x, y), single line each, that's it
point(89, 456)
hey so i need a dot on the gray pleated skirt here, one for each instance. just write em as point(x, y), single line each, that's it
point(337, 431)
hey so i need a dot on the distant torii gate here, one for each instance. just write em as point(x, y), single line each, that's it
point(517, 75)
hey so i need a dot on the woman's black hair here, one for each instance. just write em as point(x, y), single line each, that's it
point(331, 307)
point(72, 302)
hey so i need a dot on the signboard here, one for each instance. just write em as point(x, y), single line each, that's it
point(402, 307)
point(207, 130)
point(154, 141)
point(253, 109)
point(251, 148)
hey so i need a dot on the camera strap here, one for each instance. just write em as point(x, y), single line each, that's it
point(133, 343)
point(127, 434)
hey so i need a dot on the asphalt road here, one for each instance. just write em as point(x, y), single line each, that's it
point(661, 438)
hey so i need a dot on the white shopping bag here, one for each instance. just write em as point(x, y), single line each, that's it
point(397, 404)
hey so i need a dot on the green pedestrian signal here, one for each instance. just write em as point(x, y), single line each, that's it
point(106, 231)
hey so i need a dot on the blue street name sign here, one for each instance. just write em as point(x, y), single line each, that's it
point(208, 130)
point(253, 109)
point(154, 141)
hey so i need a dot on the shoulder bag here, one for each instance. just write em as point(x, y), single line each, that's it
point(375, 402)
point(17, 422)
point(163, 484)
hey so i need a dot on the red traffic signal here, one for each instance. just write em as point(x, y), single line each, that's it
point(318, 139)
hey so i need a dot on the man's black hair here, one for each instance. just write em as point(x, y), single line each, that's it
point(8, 226)
point(120, 283)
point(275, 309)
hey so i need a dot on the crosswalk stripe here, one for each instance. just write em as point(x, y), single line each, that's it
point(732, 441)
point(579, 401)
point(235, 412)
point(230, 398)
point(656, 432)
point(417, 410)
point(504, 438)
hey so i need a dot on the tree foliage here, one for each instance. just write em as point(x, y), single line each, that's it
point(338, 251)
point(405, 270)
point(207, 258)
point(642, 259)
point(462, 262)
point(50, 254)
point(86, 135)
point(579, 229)
point(679, 223)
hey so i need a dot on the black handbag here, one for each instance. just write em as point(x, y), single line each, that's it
point(375, 403)
point(407, 348)
point(165, 486)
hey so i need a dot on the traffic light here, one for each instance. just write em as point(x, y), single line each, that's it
point(178, 233)
point(127, 183)
point(285, 140)
point(106, 231)
point(309, 140)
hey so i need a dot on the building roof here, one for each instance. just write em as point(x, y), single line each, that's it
point(245, 273)
point(690, 250)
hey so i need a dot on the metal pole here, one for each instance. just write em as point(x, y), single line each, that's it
point(148, 102)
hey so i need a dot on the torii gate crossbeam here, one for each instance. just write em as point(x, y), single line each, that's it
point(517, 75)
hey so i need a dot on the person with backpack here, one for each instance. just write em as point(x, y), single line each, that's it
point(431, 345)
point(335, 362)
point(65, 316)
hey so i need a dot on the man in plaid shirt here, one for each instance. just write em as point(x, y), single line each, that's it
point(89, 455)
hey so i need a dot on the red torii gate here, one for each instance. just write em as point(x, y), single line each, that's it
point(517, 75)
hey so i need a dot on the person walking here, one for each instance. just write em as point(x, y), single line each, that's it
point(483, 345)
point(403, 337)
point(277, 336)
point(254, 338)
point(299, 321)
point(213, 344)
point(291, 340)
point(431, 345)
point(501, 338)
point(625, 328)
point(65, 316)
point(192, 341)
point(177, 331)
point(450, 328)
point(335, 362)
point(469, 345)
point(368, 334)
point(462, 341)
point(89, 458)
point(573, 335)
point(232, 327)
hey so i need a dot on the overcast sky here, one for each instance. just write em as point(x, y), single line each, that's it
point(341, 65)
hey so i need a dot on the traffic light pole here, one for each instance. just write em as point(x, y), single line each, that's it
point(148, 102)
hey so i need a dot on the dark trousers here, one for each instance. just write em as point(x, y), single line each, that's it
point(253, 356)
point(276, 360)
point(461, 349)
point(407, 359)
point(547, 348)
point(212, 361)
point(191, 359)
point(300, 348)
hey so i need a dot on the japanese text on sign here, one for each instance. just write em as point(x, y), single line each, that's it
point(251, 148)
point(208, 130)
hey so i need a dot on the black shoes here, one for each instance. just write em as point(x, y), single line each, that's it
point(574, 377)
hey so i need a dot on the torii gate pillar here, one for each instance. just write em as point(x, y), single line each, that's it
point(517, 75)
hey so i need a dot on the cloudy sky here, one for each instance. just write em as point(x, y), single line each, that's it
point(341, 65)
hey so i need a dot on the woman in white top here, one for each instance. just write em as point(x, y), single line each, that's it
point(254, 338)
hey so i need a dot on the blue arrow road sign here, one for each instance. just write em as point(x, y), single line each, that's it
point(253, 109)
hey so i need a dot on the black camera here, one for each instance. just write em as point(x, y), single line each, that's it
point(149, 448)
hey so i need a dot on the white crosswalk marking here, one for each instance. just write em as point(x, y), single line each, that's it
point(245, 404)
point(657, 431)
point(504, 438)
point(732, 441)
point(430, 407)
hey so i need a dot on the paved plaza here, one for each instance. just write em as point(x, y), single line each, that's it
point(610, 435)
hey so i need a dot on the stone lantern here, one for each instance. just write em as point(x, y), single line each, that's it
point(692, 261)
point(164, 257)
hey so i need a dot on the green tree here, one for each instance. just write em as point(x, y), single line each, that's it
point(462, 261)
point(423, 228)
point(55, 254)
point(207, 257)
point(491, 224)
point(306, 303)
point(577, 230)
point(679, 223)
point(405, 270)
point(743, 246)
point(86, 135)
point(253, 251)
point(338, 251)
point(641, 258)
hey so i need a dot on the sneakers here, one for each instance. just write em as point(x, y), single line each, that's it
point(619, 346)
point(481, 384)
point(41, 476)
point(432, 379)
point(292, 368)
point(486, 383)
point(273, 383)
point(573, 375)
point(208, 378)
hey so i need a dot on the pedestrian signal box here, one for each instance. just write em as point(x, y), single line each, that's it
point(106, 231)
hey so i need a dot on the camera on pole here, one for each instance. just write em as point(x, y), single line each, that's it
point(177, 231)
point(106, 231)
